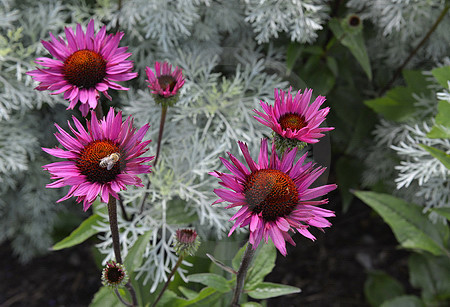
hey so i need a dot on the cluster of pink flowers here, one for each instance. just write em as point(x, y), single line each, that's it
point(273, 194)
point(103, 159)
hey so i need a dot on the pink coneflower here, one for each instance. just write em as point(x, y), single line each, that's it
point(101, 160)
point(88, 64)
point(295, 118)
point(274, 196)
point(163, 81)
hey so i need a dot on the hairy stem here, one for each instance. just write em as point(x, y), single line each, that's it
point(240, 277)
point(414, 51)
point(168, 280)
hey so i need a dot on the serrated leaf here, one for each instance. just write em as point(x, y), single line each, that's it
point(135, 257)
point(214, 281)
point(442, 75)
point(444, 211)
point(81, 234)
point(267, 290)
point(263, 264)
point(411, 227)
point(404, 301)
point(354, 41)
point(431, 274)
point(236, 262)
point(380, 287)
point(438, 154)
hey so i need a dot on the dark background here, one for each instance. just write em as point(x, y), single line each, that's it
point(330, 271)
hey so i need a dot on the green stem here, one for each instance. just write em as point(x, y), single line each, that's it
point(240, 277)
point(112, 213)
point(414, 51)
point(180, 259)
point(158, 148)
point(161, 130)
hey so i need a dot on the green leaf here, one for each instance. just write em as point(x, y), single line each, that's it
point(438, 154)
point(348, 172)
point(397, 105)
point(251, 304)
point(236, 262)
point(442, 75)
point(417, 81)
point(188, 293)
point(178, 214)
point(441, 129)
point(431, 274)
point(411, 227)
point(81, 234)
point(105, 297)
point(317, 75)
point(135, 257)
point(267, 290)
point(214, 281)
point(206, 297)
point(354, 41)
point(404, 301)
point(444, 211)
point(380, 287)
point(293, 52)
point(332, 65)
point(263, 264)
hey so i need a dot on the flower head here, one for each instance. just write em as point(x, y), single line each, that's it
point(87, 64)
point(114, 274)
point(186, 242)
point(164, 83)
point(295, 119)
point(274, 195)
point(101, 160)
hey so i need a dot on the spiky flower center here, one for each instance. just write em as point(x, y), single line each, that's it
point(91, 161)
point(167, 81)
point(84, 68)
point(292, 121)
point(271, 192)
point(114, 275)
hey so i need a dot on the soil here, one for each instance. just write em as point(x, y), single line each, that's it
point(330, 271)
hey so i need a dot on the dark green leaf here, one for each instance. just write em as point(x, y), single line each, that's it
point(251, 304)
point(380, 287)
point(438, 154)
point(81, 234)
point(236, 262)
point(417, 81)
point(294, 51)
point(188, 293)
point(348, 172)
point(333, 66)
point(411, 227)
point(431, 274)
point(404, 301)
point(397, 105)
point(135, 257)
point(441, 129)
point(442, 75)
point(263, 264)
point(354, 41)
point(105, 297)
point(444, 211)
point(214, 281)
point(267, 290)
